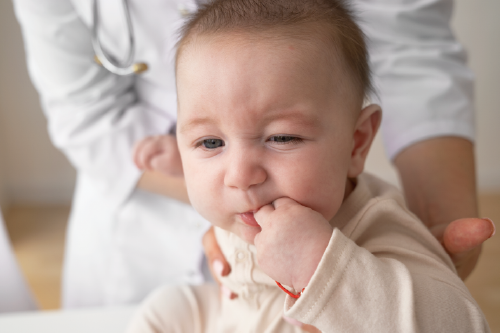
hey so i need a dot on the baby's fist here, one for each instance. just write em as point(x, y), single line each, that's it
point(158, 153)
point(292, 241)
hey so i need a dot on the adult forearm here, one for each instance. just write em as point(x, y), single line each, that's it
point(172, 187)
point(438, 177)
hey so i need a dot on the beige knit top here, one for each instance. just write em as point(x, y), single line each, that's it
point(382, 272)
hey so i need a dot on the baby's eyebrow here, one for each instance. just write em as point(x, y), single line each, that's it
point(296, 116)
point(197, 122)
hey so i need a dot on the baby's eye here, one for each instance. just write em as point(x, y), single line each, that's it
point(284, 139)
point(212, 143)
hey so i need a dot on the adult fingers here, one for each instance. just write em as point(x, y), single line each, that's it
point(148, 152)
point(217, 261)
point(137, 151)
point(465, 234)
point(463, 240)
point(466, 262)
point(168, 159)
point(168, 165)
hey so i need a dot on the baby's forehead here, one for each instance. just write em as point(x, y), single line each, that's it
point(311, 46)
point(306, 62)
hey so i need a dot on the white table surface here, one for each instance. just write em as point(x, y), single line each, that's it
point(94, 320)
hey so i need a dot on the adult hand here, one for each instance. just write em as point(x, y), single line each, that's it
point(463, 239)
point(158, 153)
point(217, 262)
point(438, 177)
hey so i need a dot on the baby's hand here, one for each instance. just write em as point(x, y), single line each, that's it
point(292, 241)
point(158, 153)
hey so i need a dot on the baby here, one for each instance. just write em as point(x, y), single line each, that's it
point(273, 135)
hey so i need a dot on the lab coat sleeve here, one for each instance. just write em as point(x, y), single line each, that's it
point(392, 277)
point(419, 71)
point(94, 116)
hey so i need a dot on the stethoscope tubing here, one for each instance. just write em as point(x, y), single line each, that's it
point(127, 67)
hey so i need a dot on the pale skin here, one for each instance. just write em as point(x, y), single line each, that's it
point(250, 181)
point(438, 178)
point(463, 236)
point(272, 137)
point(283, 220)
point(159, 157)
point(450, 197)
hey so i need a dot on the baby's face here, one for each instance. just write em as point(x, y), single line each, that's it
point(260, 120)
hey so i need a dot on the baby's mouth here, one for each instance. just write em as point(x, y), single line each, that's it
point(249, 219)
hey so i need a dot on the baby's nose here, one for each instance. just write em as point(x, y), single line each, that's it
point(244, 170)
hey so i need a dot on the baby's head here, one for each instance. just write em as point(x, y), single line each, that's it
point(270, 96)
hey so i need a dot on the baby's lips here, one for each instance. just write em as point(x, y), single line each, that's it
point(249, 219)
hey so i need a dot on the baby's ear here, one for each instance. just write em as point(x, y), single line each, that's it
point(364, 133)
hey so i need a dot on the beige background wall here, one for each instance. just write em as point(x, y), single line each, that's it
point(478, 27)
point(3, 198)
point(32, 171)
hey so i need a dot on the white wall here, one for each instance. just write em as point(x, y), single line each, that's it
point(32, 171)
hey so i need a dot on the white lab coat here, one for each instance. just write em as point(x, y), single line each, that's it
point(123, 242)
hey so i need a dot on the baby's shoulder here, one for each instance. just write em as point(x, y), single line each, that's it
point(383, 224)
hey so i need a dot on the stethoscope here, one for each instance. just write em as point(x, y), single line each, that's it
point(127, 66)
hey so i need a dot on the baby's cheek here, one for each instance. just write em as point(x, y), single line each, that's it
point(206, 191)
point(206, 202)
point(195, 189)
